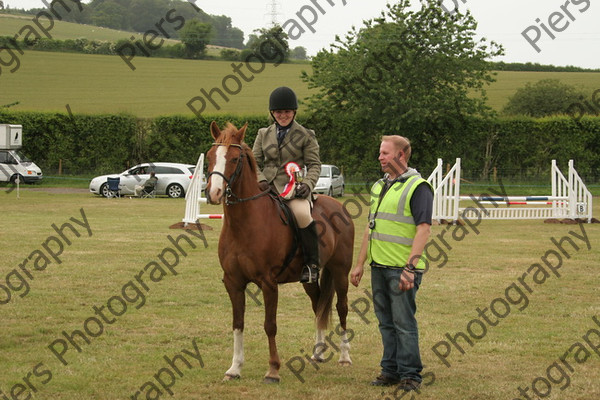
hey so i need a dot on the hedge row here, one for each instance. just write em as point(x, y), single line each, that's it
point(96, 144)
point(86, 46)
point(519, 147)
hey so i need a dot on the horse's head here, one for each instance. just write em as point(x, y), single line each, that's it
point(225, 160)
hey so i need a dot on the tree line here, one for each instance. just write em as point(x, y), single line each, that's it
point(144, 15)
point(518, 147)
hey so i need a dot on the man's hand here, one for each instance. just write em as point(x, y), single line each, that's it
point(302, 190)
point(407, 280)
point(356, 275)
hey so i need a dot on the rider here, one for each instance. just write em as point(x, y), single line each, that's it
point(275, 146)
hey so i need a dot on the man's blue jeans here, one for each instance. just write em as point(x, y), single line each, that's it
point(395, 311)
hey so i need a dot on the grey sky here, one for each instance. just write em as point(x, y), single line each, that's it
point(576, 31)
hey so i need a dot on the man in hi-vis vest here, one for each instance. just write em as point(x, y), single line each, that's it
point(393, 242)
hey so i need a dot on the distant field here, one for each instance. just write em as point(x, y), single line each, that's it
point(47, 81)
point(158, 86)
point(508, 82)
point(92, 84)
point(11, 24)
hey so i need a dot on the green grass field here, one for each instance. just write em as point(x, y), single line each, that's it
point(192, 308)
point(96, 84)
point(105, 84)
point(12, 24)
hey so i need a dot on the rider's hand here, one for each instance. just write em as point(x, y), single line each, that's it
point(302, 190)
point(263, 185)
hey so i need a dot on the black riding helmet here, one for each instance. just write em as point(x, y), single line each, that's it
point(283, 98)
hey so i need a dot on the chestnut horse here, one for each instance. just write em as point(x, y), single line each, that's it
point(255, 242)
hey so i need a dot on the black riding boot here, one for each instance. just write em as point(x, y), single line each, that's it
point(310, 249)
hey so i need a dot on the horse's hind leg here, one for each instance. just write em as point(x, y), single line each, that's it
point(237, 295)
point(341, 290)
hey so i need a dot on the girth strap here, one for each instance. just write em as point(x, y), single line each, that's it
point(287, 217)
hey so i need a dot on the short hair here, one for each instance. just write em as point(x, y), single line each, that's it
point(401, 143)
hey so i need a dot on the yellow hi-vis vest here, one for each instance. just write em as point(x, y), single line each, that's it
point(392, 236)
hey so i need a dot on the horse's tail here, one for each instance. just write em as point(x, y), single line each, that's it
point(325, 301)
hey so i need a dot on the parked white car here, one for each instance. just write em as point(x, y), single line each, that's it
point(173, 179)
point(331, 181)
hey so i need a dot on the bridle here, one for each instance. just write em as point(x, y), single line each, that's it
point(230, 196)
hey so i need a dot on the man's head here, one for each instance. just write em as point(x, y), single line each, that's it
point(394, 153)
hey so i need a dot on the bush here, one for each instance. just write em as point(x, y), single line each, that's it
point(544, 98)
point(230, 55)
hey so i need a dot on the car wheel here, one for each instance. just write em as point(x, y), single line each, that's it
point(175, 190)
point(13, 179)
point(104, 192)
point(330, 191)
point(342, 191)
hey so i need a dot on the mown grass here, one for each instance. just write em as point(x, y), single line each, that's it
point(158, 86)
point(129, 233)
point(96, 84)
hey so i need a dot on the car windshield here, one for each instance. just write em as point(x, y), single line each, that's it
point(22, 157)
point(325, 172)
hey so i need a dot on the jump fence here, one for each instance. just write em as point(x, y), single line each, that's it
point(570, 198)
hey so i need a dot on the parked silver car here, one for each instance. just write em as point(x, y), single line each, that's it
point(331, 181)
point(173, 179)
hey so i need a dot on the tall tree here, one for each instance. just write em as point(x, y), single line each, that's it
point(416, 73)
point(110, 14)
point(299, 53)
point(195, 35)
point(272, 44)
point(225, 34)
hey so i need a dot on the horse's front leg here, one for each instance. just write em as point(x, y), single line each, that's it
point(270, 295)
point(237, 295)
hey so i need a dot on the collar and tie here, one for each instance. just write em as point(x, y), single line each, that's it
point(281, 132)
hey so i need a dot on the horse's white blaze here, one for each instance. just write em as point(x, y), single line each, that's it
point(238, 354)
point(216, 181)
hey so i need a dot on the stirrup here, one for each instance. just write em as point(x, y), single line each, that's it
point(310, 274)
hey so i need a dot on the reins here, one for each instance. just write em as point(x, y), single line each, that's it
point(230, 197)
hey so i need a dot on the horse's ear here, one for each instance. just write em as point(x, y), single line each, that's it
point(242, 132)
point(214, 130)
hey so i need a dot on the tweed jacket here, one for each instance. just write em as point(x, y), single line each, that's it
point(299, 145)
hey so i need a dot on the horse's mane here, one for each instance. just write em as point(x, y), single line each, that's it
point(228, 137)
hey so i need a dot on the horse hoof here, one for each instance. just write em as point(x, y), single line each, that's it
point(270, 380)
point(345, 363)
point(317, 360)
point(229, 377)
